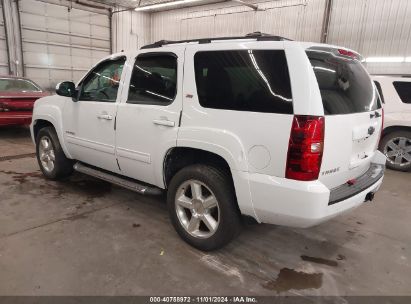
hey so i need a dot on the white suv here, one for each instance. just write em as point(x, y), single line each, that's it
point(281, 131)
point(395, 93)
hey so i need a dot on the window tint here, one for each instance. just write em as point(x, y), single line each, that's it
point(378, 86)
point(102, 83)
point(404, 90)
point(345, 85)
point(244, 80)
point(154, 79)
point(17, 85)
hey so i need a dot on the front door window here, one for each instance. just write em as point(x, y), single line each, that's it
point(102, 83)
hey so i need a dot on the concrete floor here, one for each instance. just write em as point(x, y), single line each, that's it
point(86, 237)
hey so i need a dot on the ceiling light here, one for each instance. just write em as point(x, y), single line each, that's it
point(385, 59)
point(166, 4)
point(407, 59)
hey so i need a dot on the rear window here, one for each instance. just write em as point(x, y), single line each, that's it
point(244, 80)
point(17, 85)
point(404, 90)
point(344, 84)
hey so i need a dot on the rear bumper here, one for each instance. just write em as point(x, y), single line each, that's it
point(15, 118)
point(346, 191)
point(292, 203)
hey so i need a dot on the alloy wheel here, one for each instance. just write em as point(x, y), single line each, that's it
point(197, 209)
point(46, 154)
point(398, 151)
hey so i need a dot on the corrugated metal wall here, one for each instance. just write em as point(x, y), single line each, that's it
point(375, 28)
point(12, 29)
point(4, 67)
point(72, 41)
point(60, 43)
point(295, 19)
point(131, 30)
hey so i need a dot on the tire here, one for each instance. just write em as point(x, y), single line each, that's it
point(62, 166)
point(213, 183)
point(396, 147)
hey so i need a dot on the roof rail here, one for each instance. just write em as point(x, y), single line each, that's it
point(394, 75)
point(256, 35)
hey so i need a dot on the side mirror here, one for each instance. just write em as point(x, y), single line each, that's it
point(66, 88)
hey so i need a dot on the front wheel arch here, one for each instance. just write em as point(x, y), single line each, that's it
point(391, 129)
point(43, 122)
point(62, 166)
point(40, 124)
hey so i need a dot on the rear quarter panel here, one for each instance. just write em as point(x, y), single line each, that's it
point(250, 142)
point(244, 138)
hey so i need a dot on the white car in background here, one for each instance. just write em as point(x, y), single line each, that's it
point(395, 143)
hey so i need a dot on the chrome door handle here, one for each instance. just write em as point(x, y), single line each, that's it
point(105, 116)
point(164, 122)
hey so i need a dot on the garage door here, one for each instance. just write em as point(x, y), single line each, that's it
point(4, 68)
point(61, 43)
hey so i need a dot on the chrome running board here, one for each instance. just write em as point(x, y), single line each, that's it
point(124, 182)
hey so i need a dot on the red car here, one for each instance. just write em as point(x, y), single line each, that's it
point(17, 97)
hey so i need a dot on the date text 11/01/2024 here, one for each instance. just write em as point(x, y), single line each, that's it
point(201, 299)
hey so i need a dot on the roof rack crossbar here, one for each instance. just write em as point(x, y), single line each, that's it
point(256, 35)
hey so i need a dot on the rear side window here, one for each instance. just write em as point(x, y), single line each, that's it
point(344, 84)
point(244, 80)
point(154, 79)
point(404, 90)
point(378, 86)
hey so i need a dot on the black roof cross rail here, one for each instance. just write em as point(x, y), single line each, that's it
point(256, 35)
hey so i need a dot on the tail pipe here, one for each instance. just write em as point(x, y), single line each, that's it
point(369, 196)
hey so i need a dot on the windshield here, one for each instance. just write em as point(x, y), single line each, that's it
point(17, 85)
point(344, 83)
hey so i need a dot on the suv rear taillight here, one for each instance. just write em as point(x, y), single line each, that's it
point(305, 149)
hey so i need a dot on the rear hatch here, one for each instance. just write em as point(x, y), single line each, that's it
point(353, 114)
